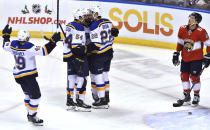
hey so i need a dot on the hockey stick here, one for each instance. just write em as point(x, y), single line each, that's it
point(180, 102)
point(44, 36)
point(70, 46)
point(62, 30)
point(58, 22)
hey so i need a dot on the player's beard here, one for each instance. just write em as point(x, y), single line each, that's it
point(88, 22)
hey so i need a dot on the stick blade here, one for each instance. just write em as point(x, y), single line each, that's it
point(178, 103)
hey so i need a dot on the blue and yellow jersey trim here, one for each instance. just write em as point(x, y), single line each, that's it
point(44, 49)
point(98, 44)
point(25, 73)
point(67, 55)
point(69, 25)
point(16, 46)
point(13, 48)
point(104, 22)
point(104, 49)
point(75, 44)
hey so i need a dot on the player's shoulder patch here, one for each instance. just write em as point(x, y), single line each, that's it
point(37, 48)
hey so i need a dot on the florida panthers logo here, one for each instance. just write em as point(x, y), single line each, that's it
point(188, 46)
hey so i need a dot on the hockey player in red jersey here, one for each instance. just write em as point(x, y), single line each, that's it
point(191, 39)
point(25, 70)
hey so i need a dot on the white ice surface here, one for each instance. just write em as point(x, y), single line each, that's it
point(144, 84)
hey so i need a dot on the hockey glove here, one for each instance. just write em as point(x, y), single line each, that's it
point(6, 33)
point(79, 50)
point(55, 38)
point(114, 32)
point(68, 41)
point(175, 59)
point(206, 60)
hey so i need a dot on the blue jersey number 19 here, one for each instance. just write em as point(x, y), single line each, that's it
point(20, 62)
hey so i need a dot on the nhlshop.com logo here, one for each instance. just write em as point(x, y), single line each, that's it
point(33, 20)
point(34, 9)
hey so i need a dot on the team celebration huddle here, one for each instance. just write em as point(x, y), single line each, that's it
point(87, 51)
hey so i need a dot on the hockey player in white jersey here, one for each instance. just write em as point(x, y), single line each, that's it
point(75, 56)
point(25, 70)
point(101, 35)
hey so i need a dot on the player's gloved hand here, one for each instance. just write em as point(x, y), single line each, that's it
point(55, 38)
point(114, 32)
point(68, 41)
point(206, 60)
point(79, 50)
point(175, 59)
point(6, 33)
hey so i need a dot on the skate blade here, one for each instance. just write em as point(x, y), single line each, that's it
point(38, 124)
point(194, 105)
point(186, 103)
point(81, 109)
point(69, 108)
point(101, 107)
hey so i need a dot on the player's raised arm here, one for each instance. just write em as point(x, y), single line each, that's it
point(47, 48)
point(6, 36)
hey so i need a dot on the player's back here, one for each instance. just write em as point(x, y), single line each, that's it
point(100, 34)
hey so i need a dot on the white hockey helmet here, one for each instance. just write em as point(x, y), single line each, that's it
point(97, 9)
point(77, 13)
point(23, 35)
point(85, 11)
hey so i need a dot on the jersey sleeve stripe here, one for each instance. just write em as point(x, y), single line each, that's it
point(71, 26)
point(104, 22)
point(180, 41)
point(207, 42)
point(17, 49)
point(45, 50)
point(67, 55)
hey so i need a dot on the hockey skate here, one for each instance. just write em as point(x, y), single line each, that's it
point(196, 100)
point(71, 105)
point(101, 104)
point(183, 102)
point(81, 106)
point(35, 120)
point(95, 97)
point(187, 99)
